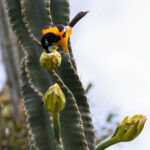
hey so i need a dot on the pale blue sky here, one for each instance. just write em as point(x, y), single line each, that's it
point(2, 72)
point(112, 50)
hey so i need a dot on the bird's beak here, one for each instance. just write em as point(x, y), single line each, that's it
point(52, 48)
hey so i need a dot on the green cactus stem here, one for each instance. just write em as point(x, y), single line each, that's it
point(108, 143)
point(57, 128)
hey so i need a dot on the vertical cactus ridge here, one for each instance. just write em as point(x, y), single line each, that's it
point(71, 123)
point(26, 62)
point(34, 18)
point(47, 3)
point(71, 55)
point(24, 17)
point(39, 77)
point(60, 11)
point(36, 116)
point(72, 81)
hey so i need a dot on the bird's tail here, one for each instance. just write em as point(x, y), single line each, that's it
point(79, 16)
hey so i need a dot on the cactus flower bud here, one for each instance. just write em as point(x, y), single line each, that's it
point(54, 99)
point(129, 129)
point(50, 61)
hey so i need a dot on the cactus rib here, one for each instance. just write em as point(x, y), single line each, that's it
point(39, 78)
point(73, 138)
point(60, 11)
point(72, 81)
point(41, 133)
point(47, 5)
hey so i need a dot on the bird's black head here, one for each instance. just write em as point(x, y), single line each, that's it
point(48, 39)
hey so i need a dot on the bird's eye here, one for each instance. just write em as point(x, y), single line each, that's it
point(48, 39)
point(45, 43)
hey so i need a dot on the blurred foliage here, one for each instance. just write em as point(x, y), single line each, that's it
point(13, 132)
point(88, 88)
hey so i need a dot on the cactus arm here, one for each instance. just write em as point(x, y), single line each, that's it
point(67, 72)
point(36, 16)
point(27, 63)
point(34, 24)
point(9, 53)
point(60, 15)
point(60, 11)
point(72, 81)
point(36, 116)
point(39, 78)
point(70, 119)
point(32, 36)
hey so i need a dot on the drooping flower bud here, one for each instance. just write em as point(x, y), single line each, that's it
point(129, 129)
point(50, 61)
point(54, 99)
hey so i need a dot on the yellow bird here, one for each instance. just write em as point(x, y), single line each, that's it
point(59, 34)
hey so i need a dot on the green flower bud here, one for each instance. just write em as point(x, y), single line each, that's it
point(129, 129)
point(54, 99)
point(50, 61)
